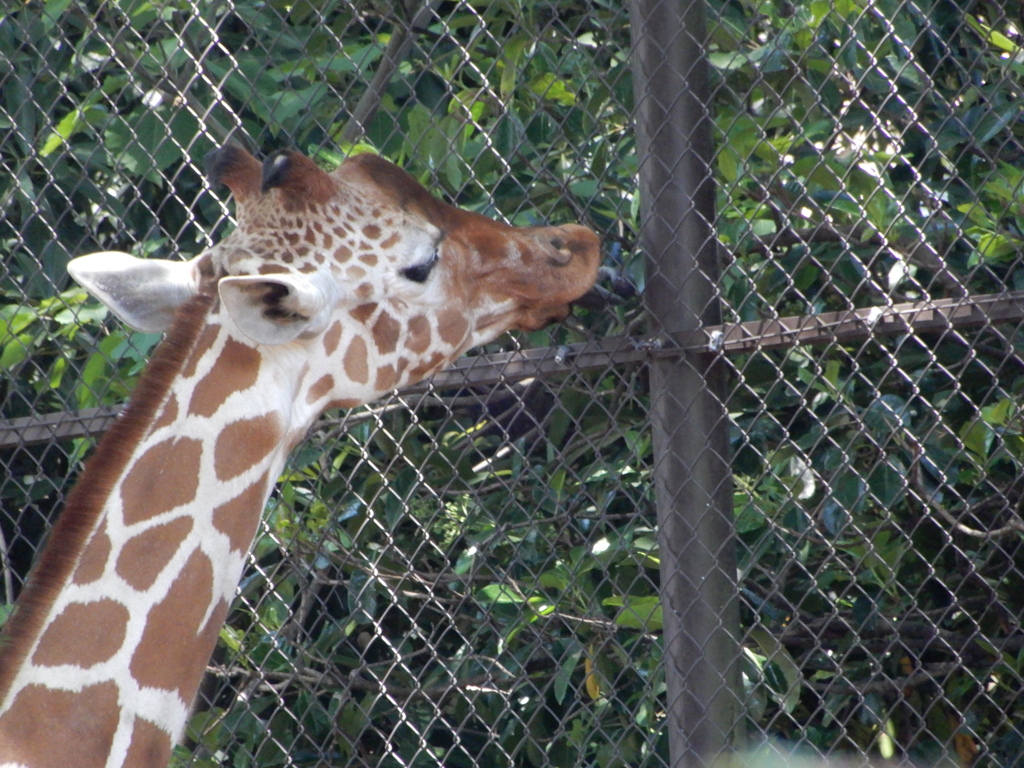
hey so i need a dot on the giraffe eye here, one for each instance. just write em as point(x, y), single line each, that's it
point(420, 272)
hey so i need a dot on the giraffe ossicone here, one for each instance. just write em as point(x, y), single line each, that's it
point(335, 288)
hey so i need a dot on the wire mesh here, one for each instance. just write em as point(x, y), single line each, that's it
point(866, 158)
point(469, 575)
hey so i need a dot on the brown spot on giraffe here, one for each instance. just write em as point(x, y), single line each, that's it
point(385, 333)
point(320, 387)
point(428, 366)
point(344, 402)
point(168, 414)
point(244, 443)
point(386, 377)
point(452, 326)
point(363, 312)
point(150, 745)
point(145, 555)
point(235, 371)
point(204, 647)
point(237, 518)
point(98, 628)
point(160, 657)
point(391, 240)
point(417, 337)
point(165, 476)
point(271, 269)
point(371, 231)
point(356, 361)
point(332, 337)
point(203, 343)
point(63, 728)
point(94, 559)
point(369, 259)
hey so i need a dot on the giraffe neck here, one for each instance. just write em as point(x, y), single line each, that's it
point(105, 656)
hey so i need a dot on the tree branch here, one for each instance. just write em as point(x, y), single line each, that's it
point(397, 49)
point(1015, 525)
point(931, 673)
point(270, 681)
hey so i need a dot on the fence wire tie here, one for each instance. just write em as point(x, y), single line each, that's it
point(653, 345)
point(873, 316)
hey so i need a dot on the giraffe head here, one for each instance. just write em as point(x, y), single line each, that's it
point(380, 282)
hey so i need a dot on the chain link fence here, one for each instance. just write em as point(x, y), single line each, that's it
point(770, 496)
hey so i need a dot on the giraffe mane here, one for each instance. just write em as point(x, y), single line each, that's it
point(400, 185)
point(86, 501)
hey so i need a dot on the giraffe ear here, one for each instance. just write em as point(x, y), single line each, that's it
point(276, 309)
point(144, 293)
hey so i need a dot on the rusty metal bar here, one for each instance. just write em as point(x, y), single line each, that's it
point(936, 316)
point(51, 427)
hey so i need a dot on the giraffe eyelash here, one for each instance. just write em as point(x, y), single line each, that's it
point(420, 272)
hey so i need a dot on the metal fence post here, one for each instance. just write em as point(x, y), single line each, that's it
point(690, 427)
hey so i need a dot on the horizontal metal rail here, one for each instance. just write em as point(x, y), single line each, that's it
point(933, 316)
point(936, 315)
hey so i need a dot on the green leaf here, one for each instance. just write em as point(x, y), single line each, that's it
point(16, 350)
point(749, 516)
point(638, 612)
point(512, 54)
point(993, 36)
point(777, 654)
point(997, 247)
point(554, 579)
point(499, 594)
point(74, 121)
point(66, 127)
point(563, 676)
point(552, 88)
point(1000, 413)
point(14, 319)
point(231, 637)
point(977, 438)
point(888, 482)
point(728, 61)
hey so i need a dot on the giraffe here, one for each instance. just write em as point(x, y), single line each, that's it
point(334, 288)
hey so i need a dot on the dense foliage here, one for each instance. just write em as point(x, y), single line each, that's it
point(869, 155)
point(475, 580)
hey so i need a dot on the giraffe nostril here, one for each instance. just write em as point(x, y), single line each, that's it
point(557, 243)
